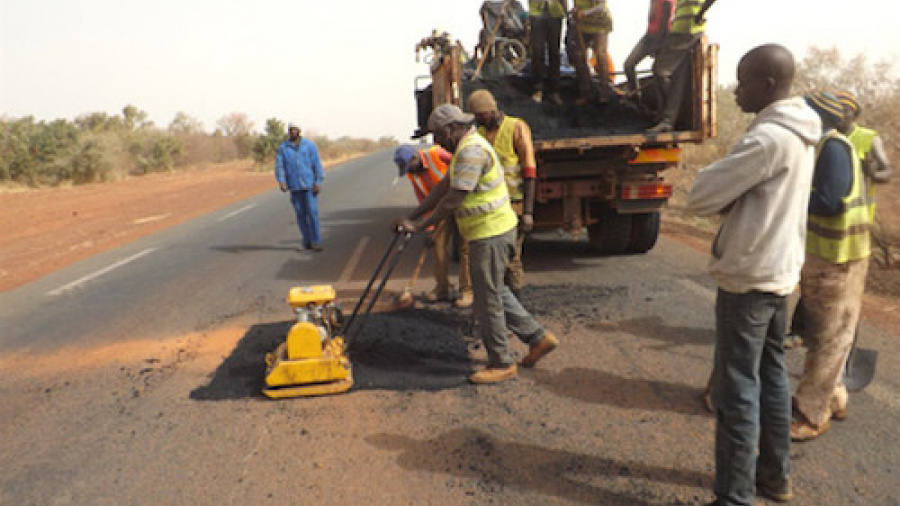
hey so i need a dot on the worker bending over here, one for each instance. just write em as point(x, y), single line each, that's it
point(474, 192)
point(425, 169)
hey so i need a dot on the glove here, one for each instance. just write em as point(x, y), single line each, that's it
point(526, 223)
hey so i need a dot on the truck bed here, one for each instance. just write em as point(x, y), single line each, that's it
point(550, 122)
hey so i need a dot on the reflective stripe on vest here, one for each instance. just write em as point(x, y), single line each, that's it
point(485, 211)
point(683, 19)
point(861, 139)
point(506, 150)
point(435, 170)
point(845, 237)
point(654, 18)
point(555, 8)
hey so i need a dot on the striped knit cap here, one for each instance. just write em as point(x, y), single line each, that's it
point(827, 106)
point(848, 100)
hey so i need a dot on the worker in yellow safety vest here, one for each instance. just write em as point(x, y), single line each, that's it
point(591, 20)
point(838, 246)
point(425, 168)
point(868, 147)
point(511, 139)
point(672, 66)
point(475, 194)
point(546, 19)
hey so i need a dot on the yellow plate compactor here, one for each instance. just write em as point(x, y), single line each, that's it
point(312, 360)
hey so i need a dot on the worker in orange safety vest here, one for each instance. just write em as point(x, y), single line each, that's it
point(425, 168)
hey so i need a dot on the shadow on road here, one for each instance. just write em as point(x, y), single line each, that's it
point(398, 350)
point(600, 387)
point(496, 464)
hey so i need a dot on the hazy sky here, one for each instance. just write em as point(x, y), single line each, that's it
point(339, 68)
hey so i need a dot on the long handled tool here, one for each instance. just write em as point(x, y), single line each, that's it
point(860, 368)
point(349, 330)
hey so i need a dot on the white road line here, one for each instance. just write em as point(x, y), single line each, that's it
point(236, 212)
point(101, 272)
point(354, 260)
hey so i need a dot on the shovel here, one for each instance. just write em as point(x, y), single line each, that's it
point(860, 368)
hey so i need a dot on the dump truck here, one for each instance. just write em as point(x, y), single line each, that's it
point(598, 168)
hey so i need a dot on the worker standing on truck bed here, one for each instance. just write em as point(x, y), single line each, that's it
point(546, 18)
point(474, 192)
point(511, 139)
point(838, 246)
point(592, 21)
point(425, 168)
point(659, 20)
point(672, 66)
point(761, 189)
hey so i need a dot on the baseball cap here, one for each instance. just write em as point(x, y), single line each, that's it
point(402, 156)
point(448, 114)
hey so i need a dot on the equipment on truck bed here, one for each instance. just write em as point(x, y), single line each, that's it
point(314, 359)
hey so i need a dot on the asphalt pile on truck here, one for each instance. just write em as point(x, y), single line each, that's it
point(550, 122)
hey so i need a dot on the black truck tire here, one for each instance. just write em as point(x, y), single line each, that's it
point(612, 234)
point(644, 232)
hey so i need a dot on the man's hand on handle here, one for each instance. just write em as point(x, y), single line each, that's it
point(403, 226)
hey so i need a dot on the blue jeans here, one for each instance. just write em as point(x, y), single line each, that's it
point(751, 392)
point(496, 308)
point(306, 207)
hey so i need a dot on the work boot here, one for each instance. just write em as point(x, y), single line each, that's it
point(776, 490)
point(537, 96)
point(537, 351)
point(554, 98)
point(465, 299)
point(494, 374)
point(316, 247)
point(802, 430)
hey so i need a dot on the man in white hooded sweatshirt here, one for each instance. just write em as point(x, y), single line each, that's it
point(761, 190)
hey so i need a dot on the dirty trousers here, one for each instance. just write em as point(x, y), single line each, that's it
point(442, 240)
point(497, 311)
point(832, 297)
point(751, 393)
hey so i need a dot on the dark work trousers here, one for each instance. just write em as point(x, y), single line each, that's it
point(545, 40)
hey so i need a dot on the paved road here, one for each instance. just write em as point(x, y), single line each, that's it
point(132, 378)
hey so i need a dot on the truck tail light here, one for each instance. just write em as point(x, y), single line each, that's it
point(642, 191)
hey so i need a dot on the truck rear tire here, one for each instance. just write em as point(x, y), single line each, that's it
point(612, 234)
point(644, 232)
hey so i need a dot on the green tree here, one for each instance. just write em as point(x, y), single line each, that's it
point(265, 145)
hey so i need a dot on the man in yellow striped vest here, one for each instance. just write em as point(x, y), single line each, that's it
point(511, 139)
point(672, 66)
point(594, 22)
point(834, 275)
point(868, 147)
point(546, 20)
point(474, 193)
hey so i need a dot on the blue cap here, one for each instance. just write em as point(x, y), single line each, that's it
point(402, 156)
